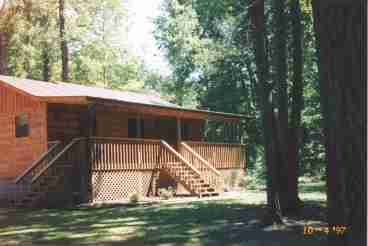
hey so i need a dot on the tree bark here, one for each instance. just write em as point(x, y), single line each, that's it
point(46, 71)
point(264, 89)
point(63, 43)
point(3, 52)
point(340, 37)
point(280, 78)
point(296, 105)
point(46, 57)
point(27, 40)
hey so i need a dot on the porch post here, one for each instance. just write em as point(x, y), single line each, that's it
point(139, 132)
point(178, 128)
point(89, 126)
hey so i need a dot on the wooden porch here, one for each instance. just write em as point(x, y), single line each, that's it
point(103, 169)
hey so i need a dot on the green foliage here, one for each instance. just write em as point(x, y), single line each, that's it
point(95, 33)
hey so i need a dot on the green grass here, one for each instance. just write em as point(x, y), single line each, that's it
point(225, 222)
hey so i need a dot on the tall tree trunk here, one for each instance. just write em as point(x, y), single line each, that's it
point(280, 78)
point(297, 103)
point(27, 40)
point(46, 57)
point(341, 37)
point(46, 71)
point(3, 52)
point(63, 43)
point(264, 89)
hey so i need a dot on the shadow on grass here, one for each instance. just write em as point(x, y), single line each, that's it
point(198, 223)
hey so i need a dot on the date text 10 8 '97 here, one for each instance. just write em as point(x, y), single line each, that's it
point(338, 230)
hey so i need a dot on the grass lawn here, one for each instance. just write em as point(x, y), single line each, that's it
point(221, 222)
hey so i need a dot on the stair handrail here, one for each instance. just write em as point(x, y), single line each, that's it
point(203, 161)
point(209, 174)
point(36, 163)
point(215, 143)
point(56, 158)
point(174, 152)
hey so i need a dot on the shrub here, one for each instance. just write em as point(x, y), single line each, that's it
point(234, 178)
point(244, 182)
point(166, 193)
point(252, 182)
point(134, 198)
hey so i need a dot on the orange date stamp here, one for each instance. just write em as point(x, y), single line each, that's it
point(337, 229)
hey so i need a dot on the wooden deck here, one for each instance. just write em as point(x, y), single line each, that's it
point(112, 168)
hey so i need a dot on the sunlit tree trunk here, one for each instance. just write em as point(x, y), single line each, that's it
point(3, 52)
point(46, 71)
point(341, 36)
point(27, 12)
point(63, 43)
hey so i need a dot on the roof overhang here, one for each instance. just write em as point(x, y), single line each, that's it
point(163, 110)
point(177, 112)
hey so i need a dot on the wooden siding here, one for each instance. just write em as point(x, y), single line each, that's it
point(113, 122)
point(16, 154)
point(64, 121)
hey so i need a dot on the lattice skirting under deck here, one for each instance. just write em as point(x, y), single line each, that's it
point(121, 184)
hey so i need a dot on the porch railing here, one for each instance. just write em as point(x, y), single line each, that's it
point(220, 155)
point(124, 153)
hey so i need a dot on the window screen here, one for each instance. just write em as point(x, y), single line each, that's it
point(133, 128)
point(185, 131)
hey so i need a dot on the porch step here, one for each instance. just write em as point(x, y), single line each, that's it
point(210, 194)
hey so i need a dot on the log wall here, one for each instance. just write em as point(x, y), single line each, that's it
point(113, 122)
point(16, 154)
point(64, 122)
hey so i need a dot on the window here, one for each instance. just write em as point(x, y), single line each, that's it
point(21, 126)
point(133, 128)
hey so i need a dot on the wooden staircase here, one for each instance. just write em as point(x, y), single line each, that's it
point(45, 181)
point(187, 171)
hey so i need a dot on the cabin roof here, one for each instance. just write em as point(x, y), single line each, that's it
point(52, 91)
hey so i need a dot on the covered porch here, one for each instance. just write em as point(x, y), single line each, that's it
point(104, 151)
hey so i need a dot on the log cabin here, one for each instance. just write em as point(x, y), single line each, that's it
point(63, 142)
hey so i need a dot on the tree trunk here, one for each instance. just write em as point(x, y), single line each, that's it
point(264, 89)
point(63, 43)
point(297, 104)
point(27, 39)
point(280, 78)
point(46, 72)
point(3, 52)
point(340, 39)
point(46, 58)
